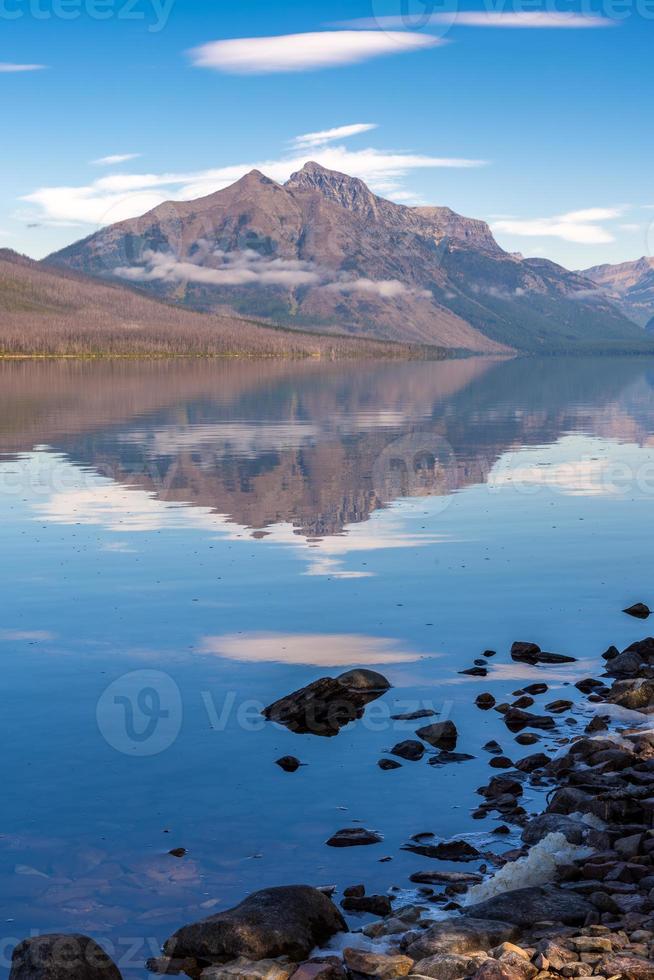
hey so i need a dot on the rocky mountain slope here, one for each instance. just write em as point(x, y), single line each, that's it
point(630, 285)
point(324, 252)
point(48, 310)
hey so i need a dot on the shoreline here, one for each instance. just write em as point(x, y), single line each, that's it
point(575, 899)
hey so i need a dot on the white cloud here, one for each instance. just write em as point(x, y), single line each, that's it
point(330, 135)
point(304, 52)
point(119, 197)
point(234, 269)
point(7, 68)
point(582, 227)
point(387, 288)
point(115, 158)
point(530, 20)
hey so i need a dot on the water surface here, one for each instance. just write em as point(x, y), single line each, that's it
point(185, 542)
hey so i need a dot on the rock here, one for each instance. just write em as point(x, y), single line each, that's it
point(321, 968)
point(485, 701)
point(638, 611)
point(628, 847)
point(626, 967)
point(410, 749)
point(288, 763)
point(535, 689)
point(286, 921)
point(373, 904)
point(60, 956)
point(442, 735)
point(501, 786)
point(558, 707)
point(526, 653)
point(462, 934)
point(558, 956)
point(524, 906)
point(494, 747)
point(515, 720)
point(627, 664)
point(245, 969)
point(177, 852)
point(386, 764)
point(414, 715)
point(475, 671)
point(523, 702)
point(532, 762)
point(354, 891)
point(326, 705)
point(527, 738)
point(531, 653)
point(500, 762)
point(364, 963)
point(496, 970)
point(456, 850)
point(443, 758)
point(446, 878)
point(166, 966)
point(354, 837)
point(539, 827)
point(449, 966)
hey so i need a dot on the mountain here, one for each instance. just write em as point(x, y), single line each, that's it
point(630, 285)
point(325, 253)
point(50, 310)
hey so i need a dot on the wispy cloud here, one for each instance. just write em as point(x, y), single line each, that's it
point(114, 159)
point(508, 19)
point(583, 227)
point(330, 135)
point(122, 196)
point(7, 68)
point(232, 269)
point(304, 52)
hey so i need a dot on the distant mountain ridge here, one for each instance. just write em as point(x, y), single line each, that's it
point(323, 252)
point(630, 285)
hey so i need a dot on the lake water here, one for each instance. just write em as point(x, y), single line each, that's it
point(184, 542)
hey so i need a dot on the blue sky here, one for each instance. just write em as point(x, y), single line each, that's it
point(532, 114)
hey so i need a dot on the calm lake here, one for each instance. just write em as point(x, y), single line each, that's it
point(185, 542)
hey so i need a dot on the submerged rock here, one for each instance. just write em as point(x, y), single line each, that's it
point(410, 749)
point(288, 763)
point(516, 719)
point(455, 850)
point(61, 956)
point(638, 611)
point(387, 764)
point(442, 735)
point(286, 921)
point(354, 837)
point(326, 705)
point(446, 878)
point(373, 904)
point(414, 715)
point(531, 653)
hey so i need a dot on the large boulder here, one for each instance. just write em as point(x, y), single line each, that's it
point(524, 906)
point(462, 934)
point(58, 956)
point(326, 705)
point(626, 967)
point(286, 921)
point(449, 966)
point(574, 831)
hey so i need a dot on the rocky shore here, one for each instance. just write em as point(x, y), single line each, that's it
point(575, 899)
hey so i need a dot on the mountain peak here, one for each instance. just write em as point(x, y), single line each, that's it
point(349, 192)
